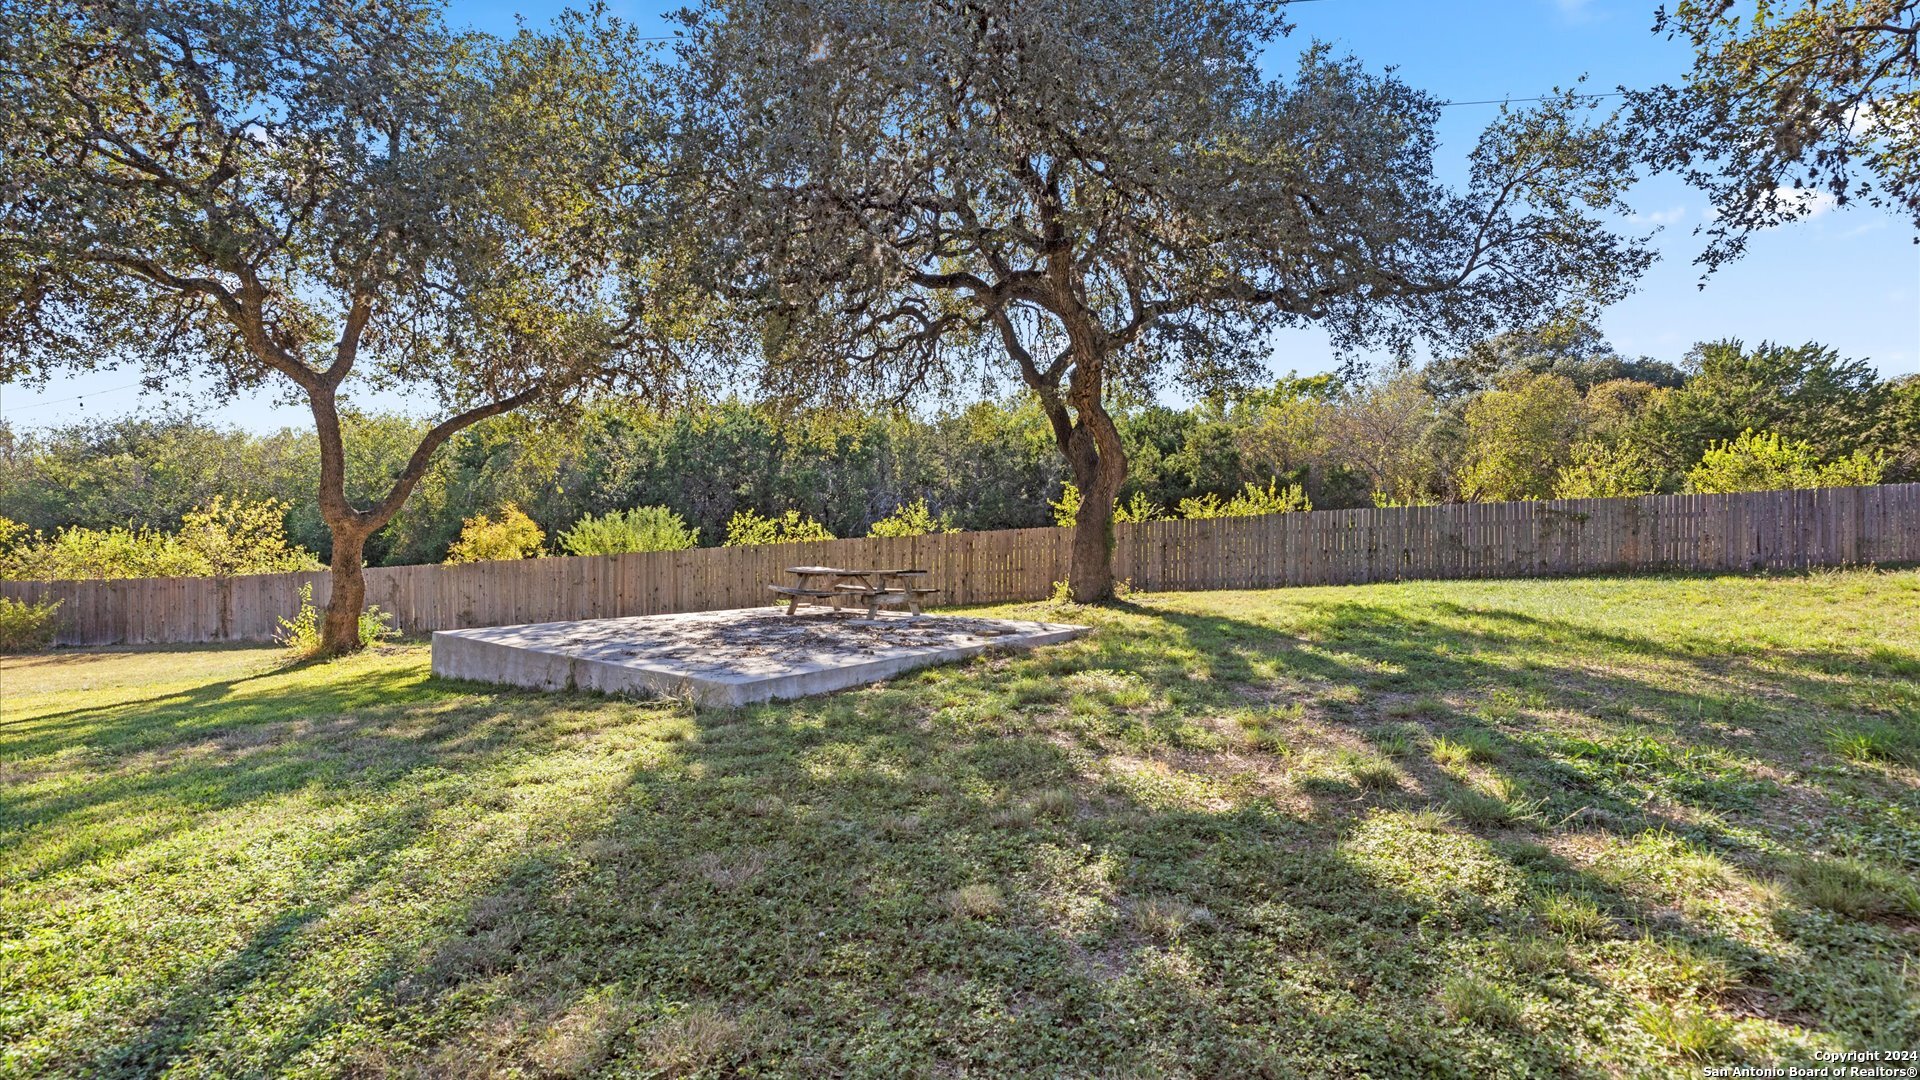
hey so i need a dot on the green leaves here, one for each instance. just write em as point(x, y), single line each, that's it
point(1788, 111)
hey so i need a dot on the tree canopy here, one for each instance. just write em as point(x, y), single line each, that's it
point(315, 197)
point(1094, 194)
point(1788, 106)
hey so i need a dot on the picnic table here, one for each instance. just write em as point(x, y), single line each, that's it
point(829, 585)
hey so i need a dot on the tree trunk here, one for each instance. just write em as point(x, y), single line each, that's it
point(1098, 476)
point(340, 628)
point(1099, 463)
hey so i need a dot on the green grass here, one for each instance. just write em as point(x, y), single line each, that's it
point(1586, 827)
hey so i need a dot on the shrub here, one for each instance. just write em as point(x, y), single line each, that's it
point(1386, 501)
point(1139, 508)
point(25, 627)
point(1066, 509)
point(1763, 461)
point(1252, 501)
point(483, 539)
point(643, 528)
point(102, 553)
point(747, 527)
point(911, 519)
point(222, 538)
point(235, 537)
point(301, 634)
point(1607, 471)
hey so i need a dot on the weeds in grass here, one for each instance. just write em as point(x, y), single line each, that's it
point(900, 826)
point(1449, 753)
point(1394, 742)
point(579, 1042)
point(1479, 809)
point(1164, 918)
point(1855, 888)
point(1369, 773)
point(1400, 709)
point(691, 1040)
point(731, 869)
point(1534, 954)
point(1575, 916)
point(1426, 706)
point(1033, 690)
point(1493, 801)
point(1053, 803)
point(1465, 748)
point(1504, 704)
point(1688, 1031)
point(1262, 730)
point(1876, 741)
point(1664, 859)
point(1675, 969)
point(1473, 1000)
point(976, 901)
point(1020, 815)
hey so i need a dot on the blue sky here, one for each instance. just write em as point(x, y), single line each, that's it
point(1849, 278)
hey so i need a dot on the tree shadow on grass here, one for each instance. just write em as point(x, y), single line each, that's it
point(938, 876)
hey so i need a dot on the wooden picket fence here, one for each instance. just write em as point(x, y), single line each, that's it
point(1771, 530)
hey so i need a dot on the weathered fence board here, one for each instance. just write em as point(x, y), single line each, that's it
point(1776, 530)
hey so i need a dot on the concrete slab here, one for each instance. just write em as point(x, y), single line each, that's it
point(727, 657)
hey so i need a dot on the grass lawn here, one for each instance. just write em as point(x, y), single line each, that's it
point(1601, 826)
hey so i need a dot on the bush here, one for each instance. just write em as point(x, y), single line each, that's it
point(25, 627)
point(235, 537)
point(747, 527)
point(1607, 471)
point(483, 539)
point(643, 528)
point(301, 634)
point(224, 537)
point(1066, 510)
point(102, 553)
point(1251, 502)
point(912, 519)
point(1763, 461)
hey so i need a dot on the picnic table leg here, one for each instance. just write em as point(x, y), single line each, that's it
point(793, 603)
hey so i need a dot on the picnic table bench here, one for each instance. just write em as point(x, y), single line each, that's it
point(833, 584)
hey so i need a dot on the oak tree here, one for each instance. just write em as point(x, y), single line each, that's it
point(1105, 194)
point(317, 198)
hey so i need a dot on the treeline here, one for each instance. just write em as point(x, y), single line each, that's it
point(1519, 419)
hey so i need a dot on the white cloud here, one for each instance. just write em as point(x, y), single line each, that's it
point(1672, 215)
point(1807, 201)
point(1576, 10)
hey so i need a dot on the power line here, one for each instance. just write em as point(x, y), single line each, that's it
point(1553, 97)
point(76, 397)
